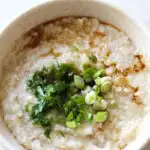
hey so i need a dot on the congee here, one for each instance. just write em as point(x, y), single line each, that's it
point(75, 83)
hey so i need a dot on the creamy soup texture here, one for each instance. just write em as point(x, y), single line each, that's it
point(80, 41)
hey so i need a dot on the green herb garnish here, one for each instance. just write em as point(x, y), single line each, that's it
point(71, 124)
point(101, 116)
point(93, 58)
point(75, 48)
point(60, 99)
point(79, 82)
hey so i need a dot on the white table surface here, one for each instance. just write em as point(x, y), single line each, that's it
point(10, 9)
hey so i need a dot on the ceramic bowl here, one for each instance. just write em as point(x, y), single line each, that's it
point(54, 9)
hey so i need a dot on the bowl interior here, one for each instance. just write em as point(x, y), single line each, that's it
point(52, 10)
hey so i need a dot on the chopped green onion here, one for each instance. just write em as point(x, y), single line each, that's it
point(100, 105)
point(88, 115)
point(86, 90)
point(106, 78)
point(108, 95)
point(90, 98)
point(97, 89)
point(70, 116)
point(71, 124)
point(98, 98)
point(79, 118)
point(75, 48)
point(106, 84)
point(112, 104)
point(100, 73)
point(101, 116)
point(98, 81)
point(79, 82)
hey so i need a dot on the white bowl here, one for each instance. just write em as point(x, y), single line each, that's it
point(51, 10)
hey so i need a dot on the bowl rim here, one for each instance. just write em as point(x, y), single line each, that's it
point(101, 2)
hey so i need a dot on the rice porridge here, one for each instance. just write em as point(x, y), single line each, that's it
point(76, 84)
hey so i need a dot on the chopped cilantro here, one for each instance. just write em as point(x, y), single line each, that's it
point(74, 48)
point(79, 82)
point(70, 116)
point(88, 74)
point(93, 58)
